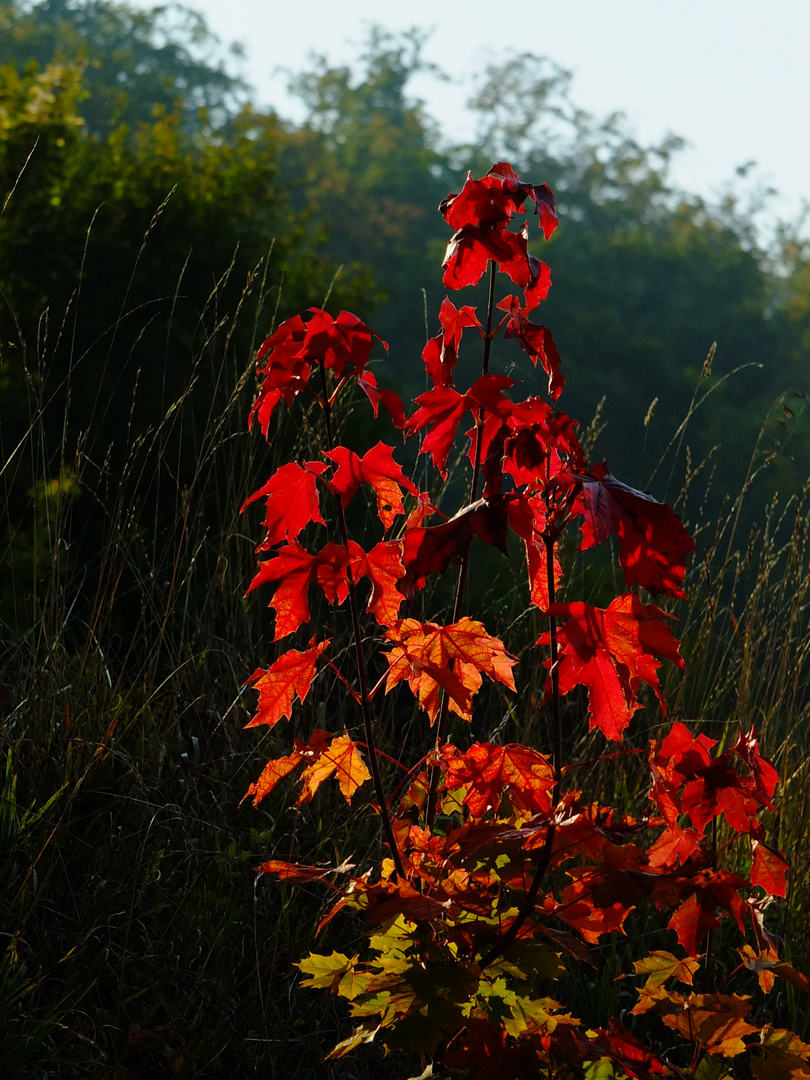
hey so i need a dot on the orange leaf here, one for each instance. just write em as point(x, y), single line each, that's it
point(450, 658)
point(693, 919)
point(487, 770)
point(714, 1021)
point(383, 566)
point(770, 965)
point(273, 772)
point(769, 869)
point(343, 759)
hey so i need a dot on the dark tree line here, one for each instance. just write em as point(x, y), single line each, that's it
point(155, 225)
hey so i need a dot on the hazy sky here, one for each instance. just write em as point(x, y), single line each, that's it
point(731, 76)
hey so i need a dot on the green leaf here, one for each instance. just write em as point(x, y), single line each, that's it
point(524, 958)
point(598, 1070)
point(660, 966)
point(326, 972)
point(713, 1067)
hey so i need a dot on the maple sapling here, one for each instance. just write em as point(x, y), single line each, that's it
point(498, 877)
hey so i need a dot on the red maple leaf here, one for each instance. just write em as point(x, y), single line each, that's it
point(527, 518)
point(290, 676)
point(451, 658)
point(383, 566)
point(285, 372)
point(688, 780)
point(292, 502)
point(470, 249)
point(487, 771)
point(536, 341)
point(376, 468)
point(292, 566)
point(295, 569)
point(610, 651)
point(339, 342)
point(442, 408)
point(653, 544)
point(367, 382)
point(441, 352)
point(431, 549)
point(495, 197)
point(769, 869)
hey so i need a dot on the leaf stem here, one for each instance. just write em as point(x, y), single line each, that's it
point(362, 674)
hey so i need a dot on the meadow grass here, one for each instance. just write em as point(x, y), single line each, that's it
point(135, 933)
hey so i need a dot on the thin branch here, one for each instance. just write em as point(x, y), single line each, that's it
point(362, 671)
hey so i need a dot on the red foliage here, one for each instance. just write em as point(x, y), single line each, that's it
point(499, 874)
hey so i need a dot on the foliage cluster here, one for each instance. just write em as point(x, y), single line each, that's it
point(499, 870)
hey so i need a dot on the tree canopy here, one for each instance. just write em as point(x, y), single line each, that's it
point(142, 195)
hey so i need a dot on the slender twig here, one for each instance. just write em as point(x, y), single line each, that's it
point(362, 671)
point(461, 583)
point(530, 899)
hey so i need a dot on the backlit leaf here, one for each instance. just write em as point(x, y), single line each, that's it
point(611, 651)
point(452, 658)
point(341, 759)
point(653, 544)
point(290, 676)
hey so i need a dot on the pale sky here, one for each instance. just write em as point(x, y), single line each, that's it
point(730, 76)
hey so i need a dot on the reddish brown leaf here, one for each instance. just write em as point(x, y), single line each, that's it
point(430, 550)
point(653, 543)
point(716, 1022)
point(296, 871)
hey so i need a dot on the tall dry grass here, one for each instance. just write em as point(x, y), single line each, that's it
point(134, 932)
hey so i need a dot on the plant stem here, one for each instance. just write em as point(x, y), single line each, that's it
point(360, 660)
point(556, 721)
point(463, 571)
point(529, 900)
